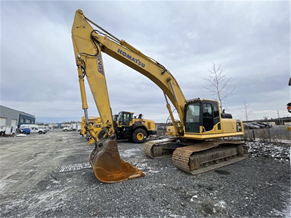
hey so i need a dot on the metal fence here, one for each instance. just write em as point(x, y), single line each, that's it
point(276, 133)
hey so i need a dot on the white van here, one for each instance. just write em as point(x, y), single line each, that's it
point(47, 128)
point(33, 128)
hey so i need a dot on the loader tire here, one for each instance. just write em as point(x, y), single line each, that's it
point(139, 135)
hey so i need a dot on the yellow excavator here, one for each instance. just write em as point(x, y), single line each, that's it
point(195, 142)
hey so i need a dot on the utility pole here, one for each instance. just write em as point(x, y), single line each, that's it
point(268, 128)
point(279, 117)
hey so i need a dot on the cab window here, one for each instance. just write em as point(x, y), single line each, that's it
point(210, 111)
point(207, 110)
point(124, 118)
point(192, 117)
point(216, 118)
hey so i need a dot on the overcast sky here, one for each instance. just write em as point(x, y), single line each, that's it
point(249, 39)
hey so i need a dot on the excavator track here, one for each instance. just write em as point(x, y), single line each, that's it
point(157, 148)
point(197, 157)
point(209, 155)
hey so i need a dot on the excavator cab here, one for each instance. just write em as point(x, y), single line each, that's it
point(201, 116)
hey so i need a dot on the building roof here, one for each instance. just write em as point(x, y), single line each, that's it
point(21, 112)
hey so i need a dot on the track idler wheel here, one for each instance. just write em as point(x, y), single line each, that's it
point(108, 166)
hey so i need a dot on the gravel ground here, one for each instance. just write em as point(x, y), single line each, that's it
point(49, 176)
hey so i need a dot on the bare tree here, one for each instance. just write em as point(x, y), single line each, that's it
point(246, 110)
point(219, 84)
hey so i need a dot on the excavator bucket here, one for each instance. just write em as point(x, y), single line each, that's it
point(108, 166)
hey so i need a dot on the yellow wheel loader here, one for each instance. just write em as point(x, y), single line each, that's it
point(133, 128)
point(126, 126)
point(196, 141)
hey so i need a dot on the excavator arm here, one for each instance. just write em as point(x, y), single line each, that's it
point(88, 45)
point(105, 160)
point(89, 63)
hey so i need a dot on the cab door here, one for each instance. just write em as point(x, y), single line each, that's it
point(207, 113)
point(210, 114)
point(124, 119)
point(192, 118)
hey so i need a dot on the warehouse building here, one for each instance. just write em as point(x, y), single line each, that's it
point(11, 117)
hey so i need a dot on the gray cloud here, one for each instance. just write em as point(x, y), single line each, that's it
point(251, 40)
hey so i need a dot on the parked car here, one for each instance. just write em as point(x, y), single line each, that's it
point(68, 128)
point(33, 128)
point(24, 130)
point(250, 126)
point(259, 125)
point(253, 126)
point(265, 124)
point(246, 126)
point(72, 127)
point(45, 128)
point(41, 131)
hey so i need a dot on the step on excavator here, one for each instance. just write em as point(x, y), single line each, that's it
point(196, 138)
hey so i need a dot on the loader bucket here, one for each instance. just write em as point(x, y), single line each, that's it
point(108, 166)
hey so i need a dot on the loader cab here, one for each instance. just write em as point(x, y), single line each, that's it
point(199, 113)
point(115, 116)
point(124, 118)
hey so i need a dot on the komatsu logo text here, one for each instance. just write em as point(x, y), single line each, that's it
point(100, 66)
point(137, 61)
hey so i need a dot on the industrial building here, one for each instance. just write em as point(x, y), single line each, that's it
point(13, 118)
